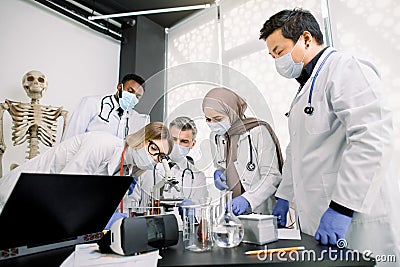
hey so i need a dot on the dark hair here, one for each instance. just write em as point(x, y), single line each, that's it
point(293, 23)
point(134, 77)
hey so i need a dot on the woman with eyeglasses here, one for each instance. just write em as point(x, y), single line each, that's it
point(247, 156)
point(97, 153)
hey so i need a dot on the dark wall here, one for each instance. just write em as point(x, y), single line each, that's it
point(127, 59)
point(143, 53)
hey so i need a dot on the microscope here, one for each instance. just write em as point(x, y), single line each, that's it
point(166, 184)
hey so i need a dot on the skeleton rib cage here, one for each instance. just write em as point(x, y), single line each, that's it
point(30, 118)
point(32, 122)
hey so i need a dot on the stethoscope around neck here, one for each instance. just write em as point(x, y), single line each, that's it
point(250, 166)
point(107, 101)
point(309, 109)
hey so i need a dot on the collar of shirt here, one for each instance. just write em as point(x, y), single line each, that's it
point(308, 69)
point(181, 165)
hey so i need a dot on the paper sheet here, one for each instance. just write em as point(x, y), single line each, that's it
point(69, 262)
point(293, 234)
point(88, 255)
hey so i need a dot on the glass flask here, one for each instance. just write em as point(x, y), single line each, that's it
point(227, 228)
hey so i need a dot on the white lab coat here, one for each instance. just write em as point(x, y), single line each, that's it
point(340, 153)
point(99, 113)
point(261, 184)
point(95, 153)
point(194, 188)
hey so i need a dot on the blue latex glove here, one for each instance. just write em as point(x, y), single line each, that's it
point(219, 180)
point(132, 186)
point(239, 205)
point(281, 209)
point(332, 227)
point(185, 202)
point(115, 217)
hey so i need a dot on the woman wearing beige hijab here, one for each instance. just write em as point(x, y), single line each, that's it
point(247, 154)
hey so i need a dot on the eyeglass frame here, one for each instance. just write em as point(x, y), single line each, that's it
point(158, 154)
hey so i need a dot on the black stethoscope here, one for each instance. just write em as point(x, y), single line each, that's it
point(309, 109)
point(107, 101)
point(187, 169)
point(250, 165)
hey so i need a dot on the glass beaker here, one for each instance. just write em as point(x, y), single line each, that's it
point(132, 208)
point(227, 229)
point(197, 227)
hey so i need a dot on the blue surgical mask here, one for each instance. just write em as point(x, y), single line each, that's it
point(286, 67)
point(128, 100)
point(178, 152)
point(142, 159)
point(220, 128)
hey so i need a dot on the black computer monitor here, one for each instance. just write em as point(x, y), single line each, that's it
point(52, 208)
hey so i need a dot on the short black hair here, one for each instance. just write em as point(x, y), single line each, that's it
point(134, 77)
point(293, 23)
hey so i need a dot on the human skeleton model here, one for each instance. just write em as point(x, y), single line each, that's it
point(31, 121)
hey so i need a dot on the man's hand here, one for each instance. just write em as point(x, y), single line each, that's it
point(332, 227)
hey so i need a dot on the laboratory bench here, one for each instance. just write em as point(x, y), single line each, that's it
point(324, 255)
point(177, 256)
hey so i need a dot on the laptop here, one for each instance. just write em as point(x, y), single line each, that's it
point(48, 211)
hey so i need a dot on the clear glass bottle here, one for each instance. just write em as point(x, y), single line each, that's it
point(227, 228)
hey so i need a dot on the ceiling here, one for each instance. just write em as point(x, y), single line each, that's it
point(80, 10)
point(166, 20)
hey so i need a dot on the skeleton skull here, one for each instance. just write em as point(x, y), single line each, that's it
point(34, 83)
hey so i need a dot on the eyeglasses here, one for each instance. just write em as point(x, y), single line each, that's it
point(154, 150)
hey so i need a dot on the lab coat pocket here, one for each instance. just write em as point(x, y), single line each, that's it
point(317, 122)
point(379, 211)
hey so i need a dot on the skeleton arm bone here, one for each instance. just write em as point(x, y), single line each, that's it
point(64, 114)
point(3, 106)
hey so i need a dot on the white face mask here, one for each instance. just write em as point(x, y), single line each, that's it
point(178, 152)
point(220, 128)
point(286, 67)
point(142, 159)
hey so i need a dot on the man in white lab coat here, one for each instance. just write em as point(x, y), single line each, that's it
point(337, 162)
point(191, 181)
point(114, 114)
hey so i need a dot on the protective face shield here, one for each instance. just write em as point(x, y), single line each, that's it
point(178, 152)
point(128, 100)
point(286, 67)
point(220, 128)
point(142, 159)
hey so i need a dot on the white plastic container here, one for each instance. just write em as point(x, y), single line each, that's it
point(259, 229)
